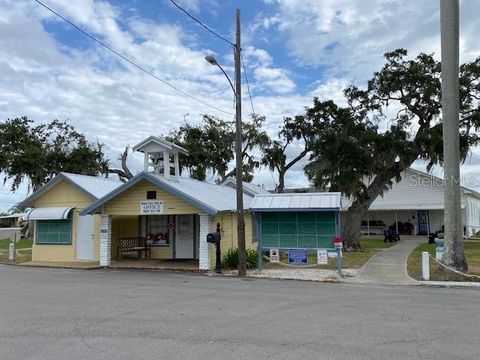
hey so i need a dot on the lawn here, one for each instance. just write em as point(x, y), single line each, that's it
point(351, 260)
point(22, 255)
point(21, 244)
point(437, 272)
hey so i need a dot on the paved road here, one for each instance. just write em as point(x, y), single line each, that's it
point(96, 314)
point(390, 265)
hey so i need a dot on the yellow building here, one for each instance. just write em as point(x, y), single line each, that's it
point(169, 214)
point(60, 233)
point(156, 215)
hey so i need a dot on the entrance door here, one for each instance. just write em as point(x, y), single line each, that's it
point(184, 237)
point(423, 226)
point(85, 237)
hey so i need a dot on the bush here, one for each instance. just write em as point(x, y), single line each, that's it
point(230, 259)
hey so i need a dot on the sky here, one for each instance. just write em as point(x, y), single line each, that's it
point(292, 50)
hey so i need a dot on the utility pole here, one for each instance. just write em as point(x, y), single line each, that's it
point(449, 19)
point(242, 263)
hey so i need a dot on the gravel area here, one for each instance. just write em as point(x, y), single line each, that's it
point(304, 274)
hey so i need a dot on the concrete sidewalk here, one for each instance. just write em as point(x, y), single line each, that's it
point(389, 266)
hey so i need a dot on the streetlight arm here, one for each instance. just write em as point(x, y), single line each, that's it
point(211, 59)
point(229, 81)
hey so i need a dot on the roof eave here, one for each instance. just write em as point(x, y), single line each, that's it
point(50, 184)
point(96, 206)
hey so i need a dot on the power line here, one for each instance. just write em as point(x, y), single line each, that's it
point(131, 62)
point(200, 23)
point(248, 85)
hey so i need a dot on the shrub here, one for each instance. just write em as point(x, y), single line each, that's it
point(230, 259)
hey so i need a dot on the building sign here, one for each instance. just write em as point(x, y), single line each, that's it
point(297, 256)
point(322, 257)
point(274, 256)
point(151, 207)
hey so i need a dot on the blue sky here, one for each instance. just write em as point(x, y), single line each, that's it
point(293, 50)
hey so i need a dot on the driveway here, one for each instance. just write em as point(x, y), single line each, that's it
point(125, 314)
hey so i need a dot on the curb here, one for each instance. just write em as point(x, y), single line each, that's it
point(450, 284)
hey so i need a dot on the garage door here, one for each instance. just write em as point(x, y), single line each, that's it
point(304, 230)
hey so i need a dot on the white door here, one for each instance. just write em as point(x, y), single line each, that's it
point(184, 237)
point(85, 237)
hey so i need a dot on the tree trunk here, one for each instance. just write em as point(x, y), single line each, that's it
point(281, 182)
point(359, 208)
point(351, 225)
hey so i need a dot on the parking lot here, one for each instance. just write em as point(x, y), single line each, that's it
point(107, 314)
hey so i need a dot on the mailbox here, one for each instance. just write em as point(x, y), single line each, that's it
point(338, 242)
point(213, 238)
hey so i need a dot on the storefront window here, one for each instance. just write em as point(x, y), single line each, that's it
point(157, 229)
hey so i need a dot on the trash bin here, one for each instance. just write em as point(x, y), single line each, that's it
point(431, 238)
point(439, 249)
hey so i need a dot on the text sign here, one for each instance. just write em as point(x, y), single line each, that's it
point(297, 256)
point(151, 207)
point(274, 255)
point(322, 257)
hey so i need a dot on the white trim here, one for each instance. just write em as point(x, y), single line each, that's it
point(48, 213)
point(204, 251)
point(105, 240)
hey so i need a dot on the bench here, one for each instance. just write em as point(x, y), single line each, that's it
point(133, 246)
point(391, 236)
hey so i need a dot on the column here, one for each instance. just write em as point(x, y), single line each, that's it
point(203, 251)
point(176, 164)
point(146, 160)
point(166, 164)
point(105, 240)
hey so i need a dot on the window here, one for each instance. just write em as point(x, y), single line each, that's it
point(304, 230)
point(157, 229)
point(151, 195)
point(54, 232)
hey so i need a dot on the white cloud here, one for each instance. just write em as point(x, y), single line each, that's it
point(117, 104)
point(350, 37)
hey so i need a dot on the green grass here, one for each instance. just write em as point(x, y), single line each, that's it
point(21, 244)
point(22, 256)
point(351, 260)
point(437, 272)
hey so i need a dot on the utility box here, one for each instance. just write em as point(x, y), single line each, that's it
point(440, 248)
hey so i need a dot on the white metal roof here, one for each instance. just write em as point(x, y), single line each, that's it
point(159, 141)
point(218, 197)
point(13, 216)
point(416, 191)
point(48, 213)
point(94, 185)
point(249, 188)
point(292, 201)
point(211, 198)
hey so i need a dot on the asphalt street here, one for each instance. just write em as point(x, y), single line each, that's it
point(105, 314)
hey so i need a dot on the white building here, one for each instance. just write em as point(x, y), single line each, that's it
point(417, 203)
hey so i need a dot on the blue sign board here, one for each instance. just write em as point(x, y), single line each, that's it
point(297, 256)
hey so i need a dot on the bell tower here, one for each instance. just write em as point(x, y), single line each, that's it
point(161, 156)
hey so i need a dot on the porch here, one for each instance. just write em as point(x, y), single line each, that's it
point(162, 242)
point(157, 264)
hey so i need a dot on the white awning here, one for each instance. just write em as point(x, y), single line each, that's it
point(48, 213)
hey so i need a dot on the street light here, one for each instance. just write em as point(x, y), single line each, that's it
point(211, 59)
point(237, 91)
